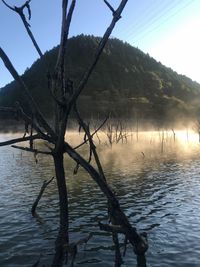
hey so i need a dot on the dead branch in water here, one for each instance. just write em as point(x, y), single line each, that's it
point(43, 187)
point(65, 97)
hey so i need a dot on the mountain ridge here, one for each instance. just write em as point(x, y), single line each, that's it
point(125, 81)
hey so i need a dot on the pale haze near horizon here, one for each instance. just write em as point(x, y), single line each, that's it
point(167, 30)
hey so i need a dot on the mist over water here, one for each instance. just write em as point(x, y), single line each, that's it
point(137, 147)
point(155, 176)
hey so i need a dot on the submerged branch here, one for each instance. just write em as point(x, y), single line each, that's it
point(72, 248)
point(34, 206)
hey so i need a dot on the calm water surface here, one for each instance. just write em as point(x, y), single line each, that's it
point(160, 195)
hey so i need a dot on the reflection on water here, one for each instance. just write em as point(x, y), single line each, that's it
point(158, 192)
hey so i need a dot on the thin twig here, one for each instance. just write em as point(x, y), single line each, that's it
point(20, 12)
point(8, 5)
point(109, 6)
point(95, 132)
point(92, 146)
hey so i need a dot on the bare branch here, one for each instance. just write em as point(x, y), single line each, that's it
point(35, 151)
point(18, 140)
point(19, 11)
point(26, 4)
point(79, 242)
point(61, 112)
point(19, 113)
point(51, 89)
point(8, 5)
point(45, 184)
point(118, 256)
point(100, 126)
point(125, 246)
point(57, 137)
point(9, 66)
point(73, 247)
point(66, 21)
point(109, 6)
point(92, 146)
point(27, 26)
point(32, 103)
point(29, 11)
point(100, 48)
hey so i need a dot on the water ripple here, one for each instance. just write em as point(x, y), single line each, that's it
point(161, 198)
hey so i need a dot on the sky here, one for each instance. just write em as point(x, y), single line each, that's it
point(168, 30)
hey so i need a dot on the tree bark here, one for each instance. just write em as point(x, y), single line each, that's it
point(63, 237)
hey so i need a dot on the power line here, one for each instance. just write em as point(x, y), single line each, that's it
point(151, 17)
point(146, 30)
point(146, 12)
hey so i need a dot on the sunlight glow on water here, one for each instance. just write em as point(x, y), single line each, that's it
point(158, 191)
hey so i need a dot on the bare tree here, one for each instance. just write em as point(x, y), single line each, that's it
point(65, 97)
point(116, 131)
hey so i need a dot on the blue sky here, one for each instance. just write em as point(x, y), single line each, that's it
point(166, 29)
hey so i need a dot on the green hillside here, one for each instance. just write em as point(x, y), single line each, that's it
point(125, 82)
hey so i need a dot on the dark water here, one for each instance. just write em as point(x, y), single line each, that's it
point(159, 196)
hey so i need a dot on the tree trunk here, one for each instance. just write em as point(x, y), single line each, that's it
point(62, 238)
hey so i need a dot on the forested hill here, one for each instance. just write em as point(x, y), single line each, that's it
point(125, 82)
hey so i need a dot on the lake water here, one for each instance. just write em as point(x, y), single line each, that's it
point(159, 192)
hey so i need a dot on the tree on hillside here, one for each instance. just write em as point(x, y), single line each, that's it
point(152, 84)
point(65, 97)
